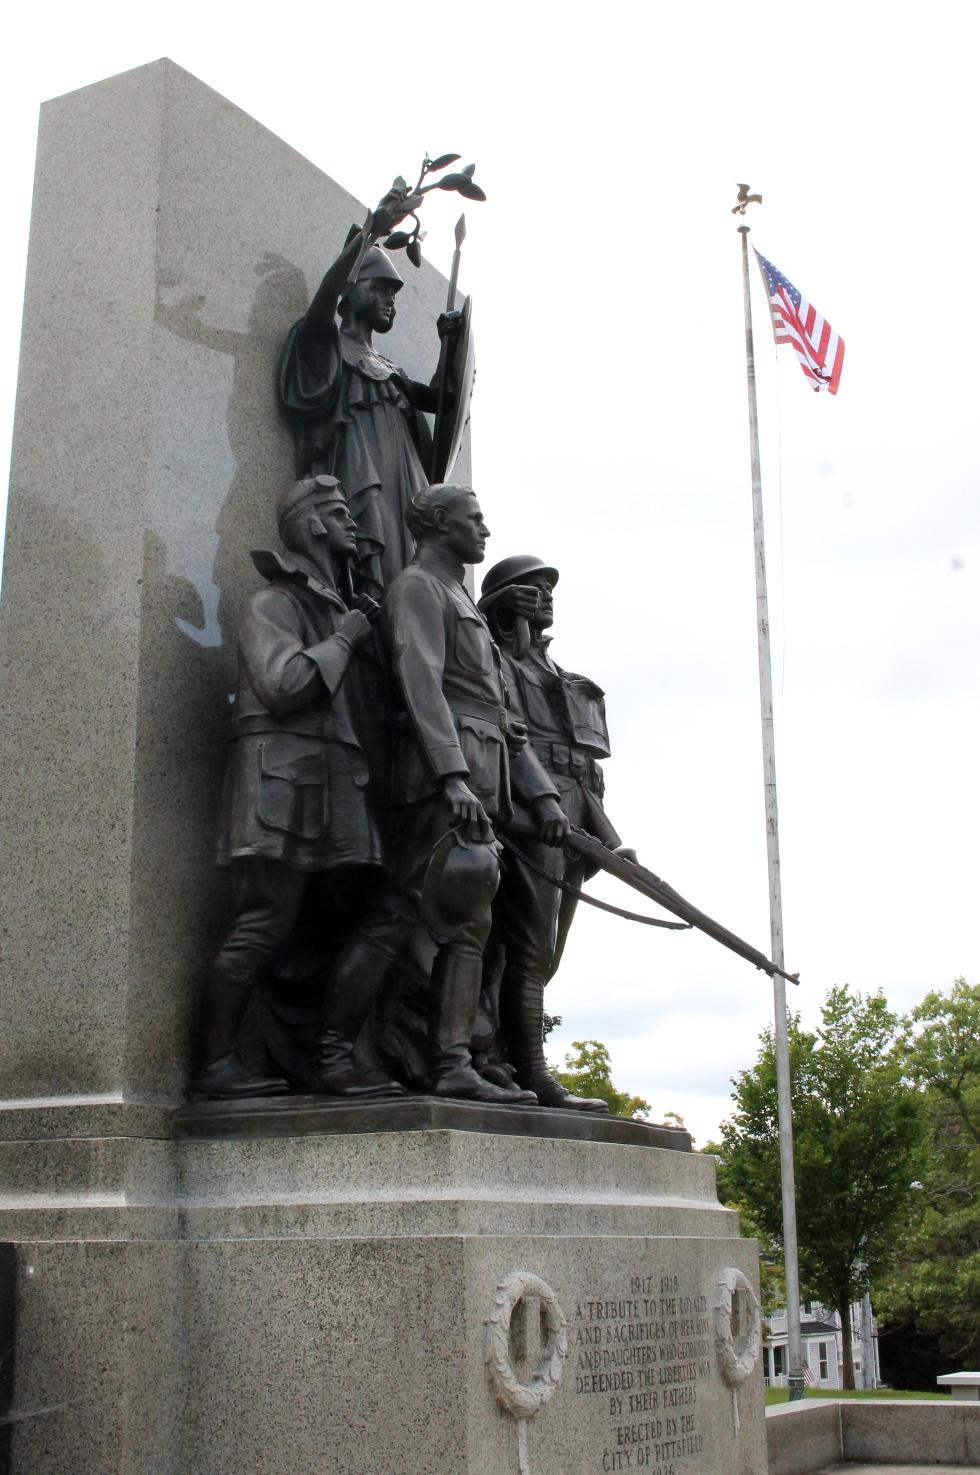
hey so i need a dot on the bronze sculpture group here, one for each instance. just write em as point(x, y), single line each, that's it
point(386, 729)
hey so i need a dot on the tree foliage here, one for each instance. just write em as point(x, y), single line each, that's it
point(934, 1287)
point(856, 1125)
point(588, 1072)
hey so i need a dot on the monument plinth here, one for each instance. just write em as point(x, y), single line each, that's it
point(396, 1288)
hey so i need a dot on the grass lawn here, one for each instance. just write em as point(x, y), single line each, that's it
point(781, 1395)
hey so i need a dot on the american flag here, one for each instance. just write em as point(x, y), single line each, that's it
point(794, 320)
point(808, 1375)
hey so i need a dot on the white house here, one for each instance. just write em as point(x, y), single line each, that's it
point(823, 1356)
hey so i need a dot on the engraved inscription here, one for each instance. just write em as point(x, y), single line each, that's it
point(643, 1353)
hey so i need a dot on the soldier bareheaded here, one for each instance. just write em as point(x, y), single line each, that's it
point(456, 755)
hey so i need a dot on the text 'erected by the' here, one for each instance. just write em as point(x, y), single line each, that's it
point(643, 1353)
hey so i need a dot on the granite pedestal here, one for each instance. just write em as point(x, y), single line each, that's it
point(318, 1303)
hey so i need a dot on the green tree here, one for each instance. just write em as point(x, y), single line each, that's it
point(856, 1127)
point(935, 1285)
point(589, 1073)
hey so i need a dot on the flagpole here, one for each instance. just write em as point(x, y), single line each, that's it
point(790, 1256)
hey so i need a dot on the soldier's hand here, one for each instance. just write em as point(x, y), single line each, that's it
point(448, 324)
point(627, 852)
point(516, 736)
point(355, 627)
point(467, 811)
point(551, 820)
point(519, 601)
point(368, 607)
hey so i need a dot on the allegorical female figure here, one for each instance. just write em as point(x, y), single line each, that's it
point(354, 414)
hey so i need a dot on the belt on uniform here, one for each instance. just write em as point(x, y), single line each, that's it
point(565, 759)
point(483, 711)
point(296, 726)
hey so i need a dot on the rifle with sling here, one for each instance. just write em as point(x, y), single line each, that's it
point(655, 889)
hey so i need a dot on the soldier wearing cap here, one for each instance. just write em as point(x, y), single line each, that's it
point(296, 806)
point(352, 411)
point(566, 725)
point(456, 758)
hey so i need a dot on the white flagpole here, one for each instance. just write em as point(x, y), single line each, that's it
point(791, 1259)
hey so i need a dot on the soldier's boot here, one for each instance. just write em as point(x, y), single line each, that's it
point(522, 1009)
point(497, 1071)
point(354, 981)
point(456, 977)
point(223, 1074)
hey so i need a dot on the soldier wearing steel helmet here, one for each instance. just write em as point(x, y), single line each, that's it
point(566, 725)
point(297, 809)
point(352, 411)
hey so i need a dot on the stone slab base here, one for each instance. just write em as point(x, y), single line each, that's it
point(323, 1305)
point(289, 1116)
point(819, 1436)
point(851, 1469)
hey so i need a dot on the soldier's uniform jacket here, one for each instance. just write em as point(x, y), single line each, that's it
point(448, 676)
point(566, 722)
point(296, 786)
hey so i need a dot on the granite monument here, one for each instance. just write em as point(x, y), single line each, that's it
point(405, 1264)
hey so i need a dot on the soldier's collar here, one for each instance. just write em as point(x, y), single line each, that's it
point(272, 564)
point(444, 565)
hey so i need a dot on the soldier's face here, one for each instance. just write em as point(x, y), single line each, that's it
point(544, 615)
point(466, 531)
point(337, 527)
point(373, 301)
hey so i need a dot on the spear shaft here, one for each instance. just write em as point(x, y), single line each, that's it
point(446, 351)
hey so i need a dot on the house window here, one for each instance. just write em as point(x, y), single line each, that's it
point(765, 1364)
point(824, 1365)
point(778, 1361)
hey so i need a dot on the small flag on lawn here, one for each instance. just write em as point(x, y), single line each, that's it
point(794, 320)
point(807, 1374)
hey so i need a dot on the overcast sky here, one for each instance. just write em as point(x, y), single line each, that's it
point(610, 435)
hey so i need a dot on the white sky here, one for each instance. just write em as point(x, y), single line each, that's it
point(610, 434)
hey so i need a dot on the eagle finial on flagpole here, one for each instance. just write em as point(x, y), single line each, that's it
point(744, 199)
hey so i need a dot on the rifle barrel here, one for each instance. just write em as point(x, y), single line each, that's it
point(664, 894)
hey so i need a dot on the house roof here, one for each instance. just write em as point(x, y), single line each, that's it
point(807, 1329)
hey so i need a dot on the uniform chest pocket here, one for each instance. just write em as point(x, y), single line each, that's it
point(292, 791)
point(474, 648)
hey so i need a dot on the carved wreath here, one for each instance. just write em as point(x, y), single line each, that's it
point(735, 1366)
point(524, 1400)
